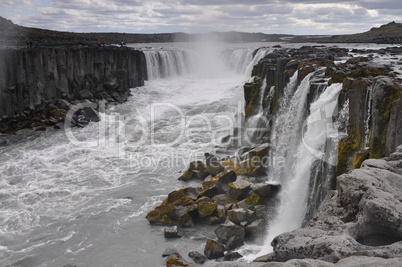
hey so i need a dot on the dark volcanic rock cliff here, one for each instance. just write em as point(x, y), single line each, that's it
point(31, 77)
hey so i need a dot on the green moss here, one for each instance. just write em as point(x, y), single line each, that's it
point(171, 262)
point(206, 209)
point(347, 148)
point(359, 158)
point(378, 144)
point(254, 199)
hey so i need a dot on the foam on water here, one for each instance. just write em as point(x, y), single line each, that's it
point(62, 202)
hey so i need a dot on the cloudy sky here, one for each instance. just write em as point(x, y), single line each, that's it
point(191, 16)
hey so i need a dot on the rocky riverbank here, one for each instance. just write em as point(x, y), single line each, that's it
point(342, 230)
point(359, 224)
point(39, 86)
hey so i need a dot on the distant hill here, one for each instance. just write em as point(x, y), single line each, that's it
point(390, 33)
point(12, 34)
point(15, 35)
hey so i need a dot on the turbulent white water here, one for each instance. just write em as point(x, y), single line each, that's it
point(85, 202)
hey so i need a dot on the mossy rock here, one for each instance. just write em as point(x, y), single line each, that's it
point(221, 180)
point(360, 157)
point(206, 206)
point(305, 68)
point(239, 189)
point(251, 97)
point(176, 209)
point(175, 213)
point(254, 199)
point(346, 151)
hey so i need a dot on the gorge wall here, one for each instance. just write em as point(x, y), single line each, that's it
point(29, 77)
point(371, 96)
point(32, 79)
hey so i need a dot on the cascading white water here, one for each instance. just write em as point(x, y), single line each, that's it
point(297, 141)
point(237, 58)
point(262, 52)
point(257, 123)
point(367, 119)
point(166, 63)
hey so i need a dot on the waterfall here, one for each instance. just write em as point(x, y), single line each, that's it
point(166, 63)
point(300, 143)
point(238, 59)
point(205, 59)
point(367, 117)
point(257, 124)
point(261, 52)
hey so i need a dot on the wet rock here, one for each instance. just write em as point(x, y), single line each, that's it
point(197, 257)
point(221, 180)
point(85, 94)
point(256, 229)
point(196, 170)
point(213, 249)
point(206, 207)
point(221, 199)
point(240, 215)
point(168, 252)
point(176, 260)
point(213, 165)
point(260, 211)
point(90, 114)
point(221, 212)
point(210, 192)
point(120, 97)
point(171, 232)
point(239, 189)
point(265, 190)
point(232, 256)
point(227, 230)
point(233, 243)
point(177, 209)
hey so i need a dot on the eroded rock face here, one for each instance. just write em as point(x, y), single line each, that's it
point(362, 218)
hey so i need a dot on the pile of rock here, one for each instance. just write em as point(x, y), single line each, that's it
point(361, 220)
point(233, 194)
point(78, 113)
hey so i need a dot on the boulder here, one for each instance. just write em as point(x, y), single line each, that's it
point(213, 249)
point(240, 215)
point(233, 243)
point(210, 191)
point(239, 189)
point(90, 114)
point(176, 209)
point(362, 218)
point(196, 170)
point(221, 180)
point(232, 256)
point(256, 229)
point(176, 260)
point(264, 189)
point(197, 257)
point(227, 230)
point(206, 207)
point(213, 165)
point(171, 232)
